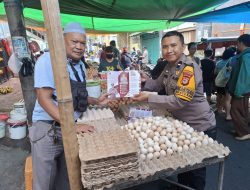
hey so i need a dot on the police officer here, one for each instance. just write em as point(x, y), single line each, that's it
point(49, 166)
point(182, 81)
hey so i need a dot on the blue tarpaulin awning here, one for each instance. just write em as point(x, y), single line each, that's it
point(234, 14)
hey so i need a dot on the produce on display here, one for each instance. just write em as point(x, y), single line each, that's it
point(6, 90)
point(158, 136)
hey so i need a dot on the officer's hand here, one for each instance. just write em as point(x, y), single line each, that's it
point(144, 76)
point(142, 97)
point(84, 128)
point(103, 99)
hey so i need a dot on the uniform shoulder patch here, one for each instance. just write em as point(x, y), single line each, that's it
point(186, 84)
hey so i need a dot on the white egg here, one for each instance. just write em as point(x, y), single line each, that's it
point(169, 151)
point(140, 140)
point(174, 139)
point(163, 153)
point(150, 156)
point(137, 135)
point(198, 143)
point(201, 133)
point(157, 134)
point(156, 138)
point(143, 135)
point(192, 146)
point(150, 142)
point(143, 157)
point(157, 148)
point(154, 127)
point(134, 132)
point(179, 130)
point(169, 135)
point(144, 151)
point(157, 154)
point(181, 137)
point(210, 140)
point(190, 130)
point(150, 149)
point(188, 136)
point(205, 142)
point(174, 146)
point(169, 144)
point(193, 140)
point(138, 129)
point(179, 149)
point(185, 147)
point(163, 132)
point(162, 140)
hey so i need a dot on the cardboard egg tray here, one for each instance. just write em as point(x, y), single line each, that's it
point(93, 114)
point(184, 159)
point(107, 156)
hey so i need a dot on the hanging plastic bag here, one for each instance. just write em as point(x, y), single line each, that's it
point(224, 75)
point(14, 64)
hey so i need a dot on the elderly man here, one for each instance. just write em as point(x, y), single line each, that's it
point(49, 167)
point(182, 80)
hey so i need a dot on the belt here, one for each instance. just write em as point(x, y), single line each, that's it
point(51, 122)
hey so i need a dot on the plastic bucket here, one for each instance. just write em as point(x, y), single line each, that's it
point(2, 129)
point(94, 89)
point(17, 129)
point(17, 116)
point(3, 118)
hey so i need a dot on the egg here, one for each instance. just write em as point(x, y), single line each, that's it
point(144, 151)
point(180, 143)
point(163, 153)
point(169, 151)
point(192, 146)
point(185, 147)
point(174, 139)
point(198, 143)
point(157, 148)
point(162, 140)
point(169, 144)
point(179, 149)
point(157, 154)
point(181, 137)
point(156, 138)
point(150, 156)
point(163, 132)
point(159, 129)
point(188, 136)
point(143, 157)
point(157, 134)
point(210, 140)
point(163, 147)
point(150, 149)
point(134, 132)
point(193, 140)
point(205, 142)
point(174, 146)
point(151, 134)
point(143, 135)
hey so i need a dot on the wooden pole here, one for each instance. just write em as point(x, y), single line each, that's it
point(52, 22)
point(14, 12)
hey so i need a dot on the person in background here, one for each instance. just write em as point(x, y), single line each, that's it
point(126, 59)
point(182, 81)
point(192, 48)
point(221, 91)
point(239, 88)
point(144, 56)
point(48, 159)
point(102, 53)
point(207, 67)
point(116, 52)
point(133, 53)
point(109, 63)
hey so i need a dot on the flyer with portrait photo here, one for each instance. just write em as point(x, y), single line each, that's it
point(123, 83)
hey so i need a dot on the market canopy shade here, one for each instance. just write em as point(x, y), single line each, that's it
point(119, 16)
point(235, 14)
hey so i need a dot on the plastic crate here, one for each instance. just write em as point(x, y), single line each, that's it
point(28, 173)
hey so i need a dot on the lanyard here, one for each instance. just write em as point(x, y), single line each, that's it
point(76, 73)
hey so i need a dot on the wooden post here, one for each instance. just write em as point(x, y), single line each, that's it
point(14, 12)
point(52, 22)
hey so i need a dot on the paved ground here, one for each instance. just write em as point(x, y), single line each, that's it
point(14, 152)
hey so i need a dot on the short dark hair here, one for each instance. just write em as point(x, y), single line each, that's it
point(109, 49)
point(112, 43)
point(174, 33)
point(229, 52)
point(245, 39)
point(191, 44)
point(208, 52)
